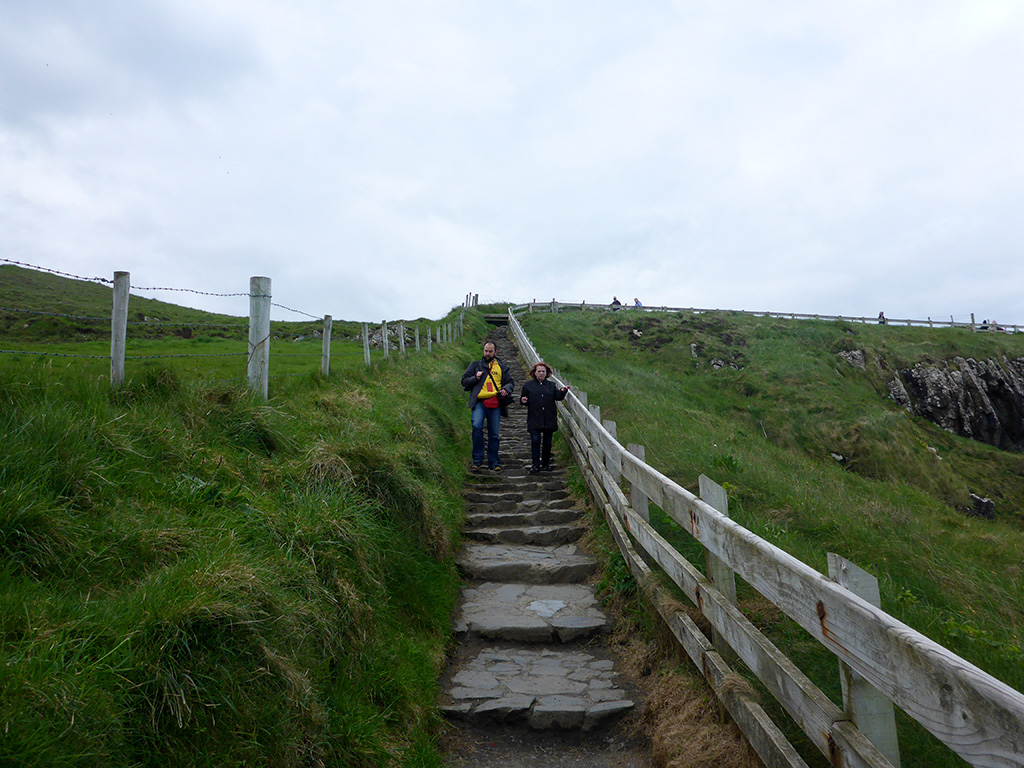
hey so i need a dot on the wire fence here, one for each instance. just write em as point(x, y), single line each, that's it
point(117, 324)
point(880, 319)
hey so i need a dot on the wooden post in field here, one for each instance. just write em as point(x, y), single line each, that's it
point(430, 340)
point(366, 343)
point(972, 322)
point(417, 337)
point(531, 305)
point(637, 498)
point(259, 335)
point(721, 576)
point(325, 366)
point(384, 338)
point(401, 337)
point(582, 397)
point(119, 327)
point(871, 712)
point(611, 461)
point(476, 299)
point(554, 307)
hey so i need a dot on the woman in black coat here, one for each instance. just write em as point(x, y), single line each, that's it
point(539, 395)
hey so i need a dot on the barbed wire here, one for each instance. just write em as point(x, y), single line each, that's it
point(129, 322)
point(190, 290)
point(53, 314)
point(205, 354)
point(297, 311)
point(51, 354)
point(56, 271)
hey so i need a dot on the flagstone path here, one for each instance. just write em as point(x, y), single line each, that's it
point(530, 682)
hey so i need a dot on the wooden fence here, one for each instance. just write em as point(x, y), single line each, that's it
point(988, 325)
point(258, 357)
point(882, 661)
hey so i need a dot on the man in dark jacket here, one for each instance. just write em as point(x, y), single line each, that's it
point(539, 397)
point(485, 380)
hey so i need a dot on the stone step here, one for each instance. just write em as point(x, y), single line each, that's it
point(543, 535)
point(543, 689)
point(544, 516)
point(526, 563)
point(530, 613)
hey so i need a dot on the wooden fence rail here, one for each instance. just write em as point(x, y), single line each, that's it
point(973, 713)
point(989, 325)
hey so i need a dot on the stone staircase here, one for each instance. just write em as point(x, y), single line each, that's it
point(529, 655)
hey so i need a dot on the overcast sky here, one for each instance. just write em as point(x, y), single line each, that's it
point(383, 159)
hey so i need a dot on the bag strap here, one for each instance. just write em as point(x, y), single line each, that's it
point(490, 375)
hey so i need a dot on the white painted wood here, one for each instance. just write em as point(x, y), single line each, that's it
point(401, 337)
point(871, 712)
point(637, 498)
point(976, 715)
point(417, 337)
point(259, 335)
point(384, 339)
point(612, 461)
point(366, 343)
point(720, 575)
point(119, 327)
point(325, 358)
point(763, 735)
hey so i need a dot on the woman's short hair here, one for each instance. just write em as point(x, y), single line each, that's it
point(537, 365)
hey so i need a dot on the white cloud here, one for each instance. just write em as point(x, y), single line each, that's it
point(385, 159)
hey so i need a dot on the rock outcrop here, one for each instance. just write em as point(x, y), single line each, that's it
point(982, 400)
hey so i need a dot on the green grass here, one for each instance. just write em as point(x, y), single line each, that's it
point(192, 576)
point(766, 429)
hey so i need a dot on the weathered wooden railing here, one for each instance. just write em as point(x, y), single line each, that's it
point(973, 713)
point(557, 306)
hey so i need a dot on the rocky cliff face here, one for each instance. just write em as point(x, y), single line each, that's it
point(983, 400)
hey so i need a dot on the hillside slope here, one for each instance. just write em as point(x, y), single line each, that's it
point(817, 458)
point(191, 576)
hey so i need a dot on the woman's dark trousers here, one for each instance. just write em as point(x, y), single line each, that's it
point(540, 447)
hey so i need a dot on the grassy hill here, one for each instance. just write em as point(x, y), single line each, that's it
point(191, 576)
point(768, 421)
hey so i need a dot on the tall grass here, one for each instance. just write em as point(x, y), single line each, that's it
point(766, 423)
point(191, 576)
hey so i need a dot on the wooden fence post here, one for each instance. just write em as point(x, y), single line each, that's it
point(637, 498)
point(871, 712)
point(384, 338)
point(430, 340)
point(119, 327)
point(612, 462)
point(366, 343)
point(417, 337)
point(401, 337)
point(325, 366)
point(721, 576)
point(259, 335)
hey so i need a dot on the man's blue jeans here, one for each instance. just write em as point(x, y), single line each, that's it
point(492, 416)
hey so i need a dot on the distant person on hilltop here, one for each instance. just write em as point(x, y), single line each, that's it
point(489, 382)
point(615, 303)
point(539, 396)
point(637, 304)
point(881, 318)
